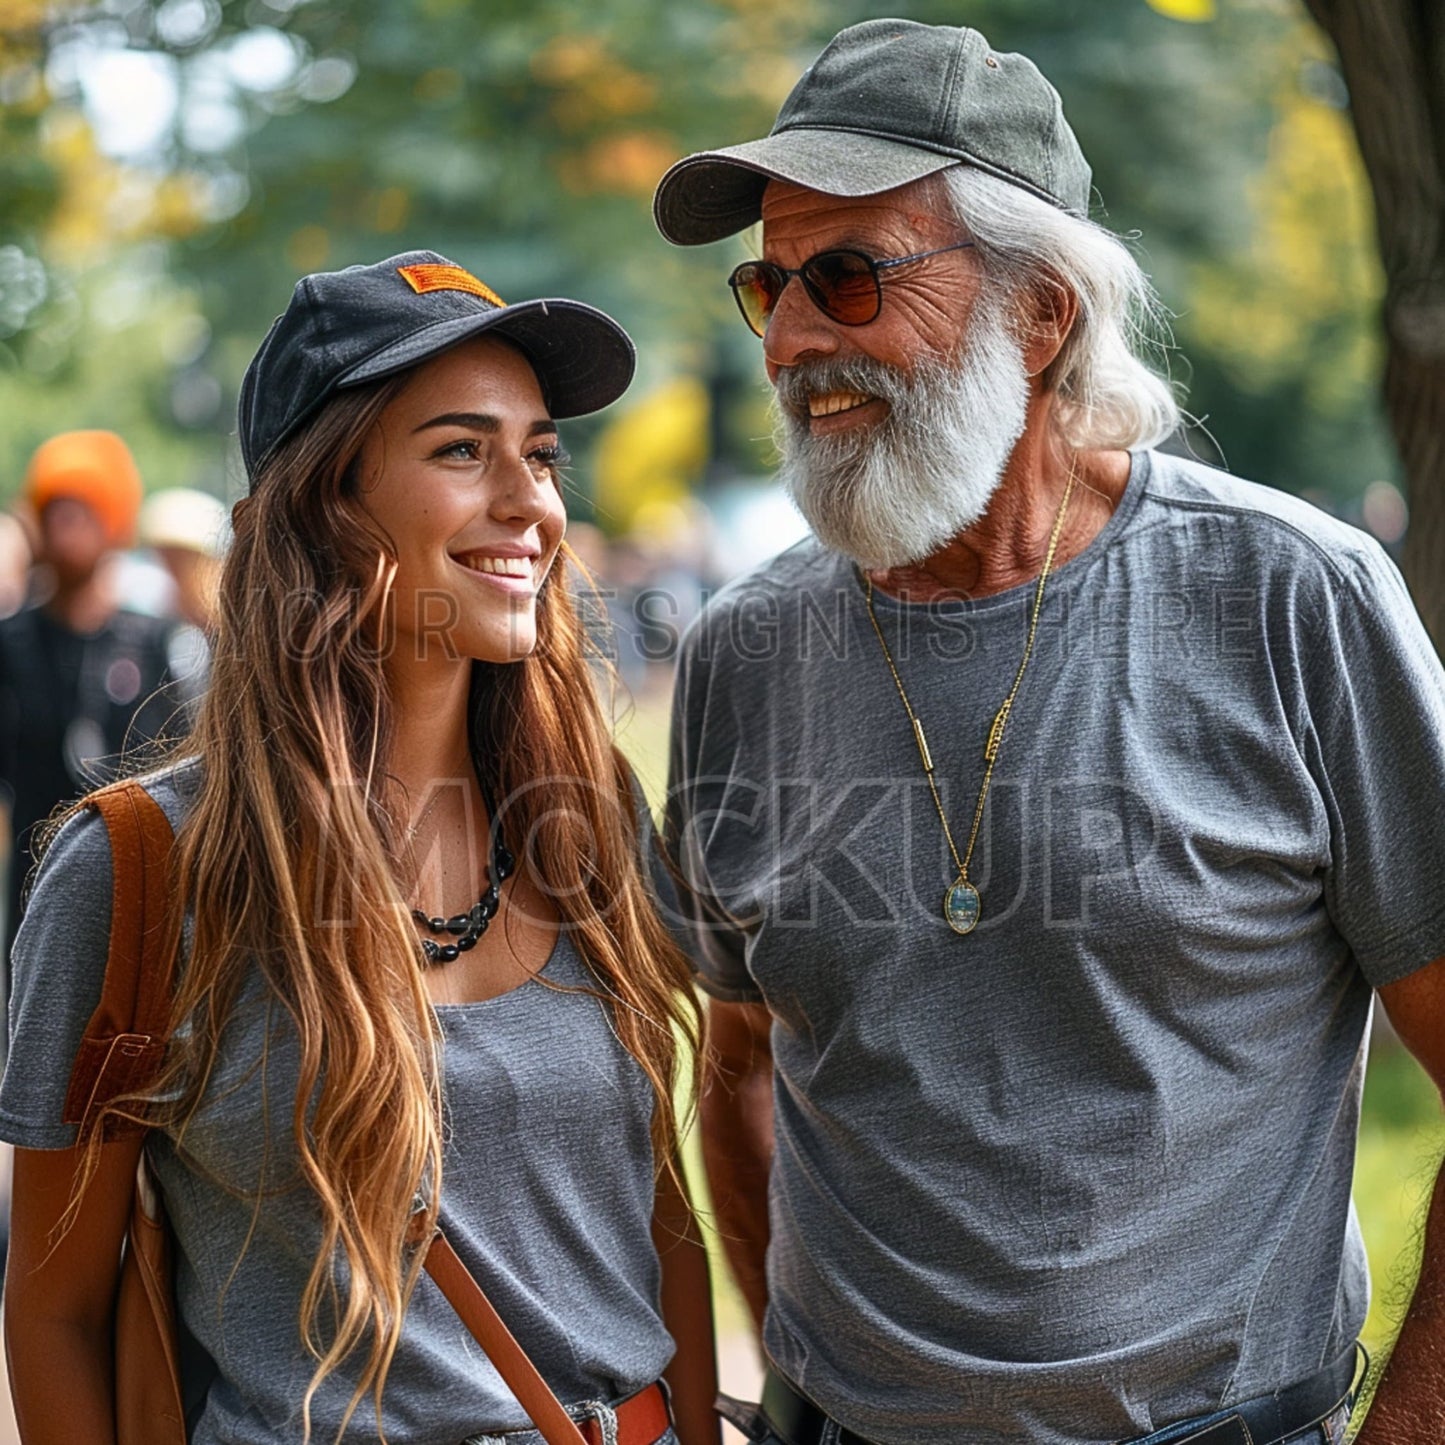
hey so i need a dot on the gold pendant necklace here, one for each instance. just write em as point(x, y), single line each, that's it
point(962, 904)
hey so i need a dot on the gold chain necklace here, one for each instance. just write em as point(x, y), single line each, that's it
point(961, 903)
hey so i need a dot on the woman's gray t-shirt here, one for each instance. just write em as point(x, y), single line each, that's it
point(547, 1187)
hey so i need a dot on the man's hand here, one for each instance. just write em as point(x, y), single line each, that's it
point(1409, 1405)
point(737, 1139)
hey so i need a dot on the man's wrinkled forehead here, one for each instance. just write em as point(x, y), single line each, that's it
point(792, 211)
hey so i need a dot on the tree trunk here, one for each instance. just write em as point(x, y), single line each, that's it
point(1392, 54)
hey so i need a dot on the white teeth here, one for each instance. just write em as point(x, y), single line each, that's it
point(499, 566)
point(836, 401)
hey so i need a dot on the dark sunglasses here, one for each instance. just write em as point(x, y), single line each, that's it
point(844, 285)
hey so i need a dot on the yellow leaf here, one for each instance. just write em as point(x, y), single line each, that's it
point(624, 165)
point(651, 454)
point(392, 206)
point(18, 15)
point(1193, 11)
point(1297, 299)
point(308, 247)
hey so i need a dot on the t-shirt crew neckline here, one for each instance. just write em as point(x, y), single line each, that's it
point(1075, 567)
point(478, 1004)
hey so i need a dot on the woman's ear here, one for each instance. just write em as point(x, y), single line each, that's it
point(1052, 311)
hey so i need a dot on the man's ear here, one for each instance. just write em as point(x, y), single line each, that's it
point(1051, 310)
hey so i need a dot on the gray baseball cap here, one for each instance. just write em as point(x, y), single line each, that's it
point(887, 102)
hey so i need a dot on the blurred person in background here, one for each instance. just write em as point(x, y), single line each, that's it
point(81, 676)
point(676, 539)
point(627, 584)
point(17, 556)
point(596, 601)
point(188, 530)
point(656, 575)
point(1040, 1035)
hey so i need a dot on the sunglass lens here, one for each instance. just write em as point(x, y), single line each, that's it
point(756, 287)
point(845, 286)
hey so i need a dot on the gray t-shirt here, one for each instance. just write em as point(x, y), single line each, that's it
point(547, 1188)
point(1085, 1171)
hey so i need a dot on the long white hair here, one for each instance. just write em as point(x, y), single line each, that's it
point(1108, 396)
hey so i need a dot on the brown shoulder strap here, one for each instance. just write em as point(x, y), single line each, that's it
point(512, 1362)
point(125, 1040)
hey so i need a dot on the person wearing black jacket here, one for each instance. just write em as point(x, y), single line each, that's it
point(81, 678)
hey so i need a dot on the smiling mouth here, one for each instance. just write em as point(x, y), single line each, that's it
point(830, 403)
point(518, 567)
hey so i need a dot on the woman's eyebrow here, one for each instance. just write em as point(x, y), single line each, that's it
point(483, 422)
point(474, 420)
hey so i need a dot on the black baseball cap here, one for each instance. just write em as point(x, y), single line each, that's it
point(343, 328)
point(886, 103)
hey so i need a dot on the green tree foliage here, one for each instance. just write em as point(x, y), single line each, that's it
point(1224, 147)
point(1392, 54)
point(523, 137)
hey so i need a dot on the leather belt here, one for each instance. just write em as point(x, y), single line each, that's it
point(1263, 1420)
point(642, 1419)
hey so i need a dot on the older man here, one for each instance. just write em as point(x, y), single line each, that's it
point(1048, 824)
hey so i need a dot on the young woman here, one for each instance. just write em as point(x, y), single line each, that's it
point(420, 962)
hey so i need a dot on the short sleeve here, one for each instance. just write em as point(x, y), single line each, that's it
point(57, 970)
point(1377, 711)
point(714, 939)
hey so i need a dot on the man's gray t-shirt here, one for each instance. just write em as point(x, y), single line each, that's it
point(547, 1189)
point(1085, 1171)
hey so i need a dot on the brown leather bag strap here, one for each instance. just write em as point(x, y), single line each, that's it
point(124, 1042)
point(144, 828)
point(518, 1372)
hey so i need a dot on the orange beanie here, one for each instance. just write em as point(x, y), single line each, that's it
point(94, 467)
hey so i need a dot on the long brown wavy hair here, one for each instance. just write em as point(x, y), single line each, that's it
point(291, 861)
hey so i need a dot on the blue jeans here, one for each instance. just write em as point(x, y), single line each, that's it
point(1330, 1431)
point(750, 1420)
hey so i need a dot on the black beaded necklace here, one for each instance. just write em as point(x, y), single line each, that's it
point(468, 927)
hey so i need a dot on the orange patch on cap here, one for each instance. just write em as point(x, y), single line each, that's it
point(422, 279)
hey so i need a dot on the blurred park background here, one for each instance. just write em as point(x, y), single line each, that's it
point(167, 170)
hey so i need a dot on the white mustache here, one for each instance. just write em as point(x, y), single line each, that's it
point(894, 492)
point(861, 376)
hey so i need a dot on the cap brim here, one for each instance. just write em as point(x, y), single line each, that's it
point(713, 194)
point(582, 357)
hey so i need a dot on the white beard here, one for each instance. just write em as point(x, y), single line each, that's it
point(892, 494)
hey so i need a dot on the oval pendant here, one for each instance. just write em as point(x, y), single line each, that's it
point(961, 907)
